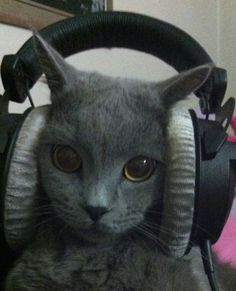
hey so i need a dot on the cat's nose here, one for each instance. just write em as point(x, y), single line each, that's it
point(95, 213)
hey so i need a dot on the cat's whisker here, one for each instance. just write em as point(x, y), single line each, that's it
point(151, 236)
point(41, 213)
point(62, 230)
point(45, 221)
point(162, 229)
point(153, 211)
point(158, 212)
point(204, 230)
point(52, 215)
point(155, 227)
point(43, 207)
point(159, 241)
point(168, 231)
point(148, 229)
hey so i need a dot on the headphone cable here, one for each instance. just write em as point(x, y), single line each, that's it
point(28, 95)
point(206, 253)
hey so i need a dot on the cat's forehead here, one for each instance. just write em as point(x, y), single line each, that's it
point(104, 95)
point(115, 115)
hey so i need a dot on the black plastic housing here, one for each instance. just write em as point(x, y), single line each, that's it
point(215, 180)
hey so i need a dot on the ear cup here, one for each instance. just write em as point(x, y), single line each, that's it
point(22, 181)
point(178, 200)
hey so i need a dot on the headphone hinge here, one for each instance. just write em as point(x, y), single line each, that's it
point(3, 141)
point(212, 140)
point(225, 113)
point(4, 103)
point(219, 84)
point(13, 78)
point(211, 94)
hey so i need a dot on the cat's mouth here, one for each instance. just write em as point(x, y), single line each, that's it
point(98, 227)
point(98, 232)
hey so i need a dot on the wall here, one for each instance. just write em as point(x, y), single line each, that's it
point(227, 42)
point(198, 18)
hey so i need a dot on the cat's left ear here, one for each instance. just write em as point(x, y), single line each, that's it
point(180, 86)
point(52, 63)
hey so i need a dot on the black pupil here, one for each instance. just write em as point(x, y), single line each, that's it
point(67, 158)
point(139, 167)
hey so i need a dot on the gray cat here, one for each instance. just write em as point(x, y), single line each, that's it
point(101, 161)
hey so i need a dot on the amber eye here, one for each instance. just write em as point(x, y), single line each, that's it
point(139, 169)
point(65, 158)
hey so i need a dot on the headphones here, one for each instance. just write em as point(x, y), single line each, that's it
point(203, 202)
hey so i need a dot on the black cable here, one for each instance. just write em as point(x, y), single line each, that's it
point(4, 104)
point(208, 264)
point(212, 281)
point(29, 95)
point(30, 100)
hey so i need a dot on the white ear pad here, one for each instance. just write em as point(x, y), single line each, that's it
point(22, 181)
point(178, 200)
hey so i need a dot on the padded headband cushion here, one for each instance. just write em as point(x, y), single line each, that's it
point(178, 201)
point(22, 181)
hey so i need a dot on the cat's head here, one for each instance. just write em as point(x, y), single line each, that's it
point(102, 153)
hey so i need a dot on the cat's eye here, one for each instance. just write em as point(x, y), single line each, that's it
point(66, 158)
point(139, 169)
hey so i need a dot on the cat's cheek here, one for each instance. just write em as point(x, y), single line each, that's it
point(120, 226)
point(138, 194)
point(64, 190)
point(134, 200)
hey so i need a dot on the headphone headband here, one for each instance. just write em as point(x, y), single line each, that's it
point(113, 29)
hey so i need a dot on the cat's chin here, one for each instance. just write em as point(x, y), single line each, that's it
point(98, 233)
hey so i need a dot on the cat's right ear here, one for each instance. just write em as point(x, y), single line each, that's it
point(51, 62)
point(182, 85)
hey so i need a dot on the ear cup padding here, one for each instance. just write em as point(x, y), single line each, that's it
point(178, 200)
point(22, 181)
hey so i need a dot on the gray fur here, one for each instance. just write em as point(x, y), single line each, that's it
point(108, 121)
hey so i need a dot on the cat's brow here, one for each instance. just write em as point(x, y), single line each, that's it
point(56, 135)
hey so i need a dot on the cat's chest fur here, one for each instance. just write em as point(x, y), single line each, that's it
point(137, 267)
point(127, 266)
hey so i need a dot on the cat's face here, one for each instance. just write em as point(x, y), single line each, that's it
point(102, 161)
point(102, 155)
